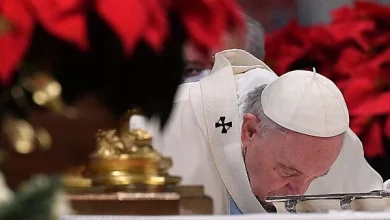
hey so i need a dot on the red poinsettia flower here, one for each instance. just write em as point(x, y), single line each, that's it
point(285, 46)
point(357, 90)
point(63, 19)
point(354, 52)
point(356, 32)
point(360, 124)
point(375, 107)
point(350, 57)
point(372, 10)
point(15, 39)
point(387, 127)
point(344, 13)
point(132, 21)
point(219, 16)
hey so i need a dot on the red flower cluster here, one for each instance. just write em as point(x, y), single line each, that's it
point(353, 51)
point(131, 20)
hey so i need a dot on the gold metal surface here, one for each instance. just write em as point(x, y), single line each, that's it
point(45, 90)
point(20, 133)
point(125, 157)
point(125, 196)
point(183, 200)
point(74, 178)
point(125, 203)
point(23, 137)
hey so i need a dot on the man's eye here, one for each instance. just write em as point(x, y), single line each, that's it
point(193, 68)
point(285, 171)
point(192, 71)
point(290, 173)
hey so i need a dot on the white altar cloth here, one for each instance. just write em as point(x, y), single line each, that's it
point(323, 216)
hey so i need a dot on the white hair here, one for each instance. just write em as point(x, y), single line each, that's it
point(254, 38)
point(253, 106)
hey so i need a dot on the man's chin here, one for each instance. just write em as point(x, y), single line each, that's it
point(262, 201)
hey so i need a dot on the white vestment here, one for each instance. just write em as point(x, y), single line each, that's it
point(203, 155)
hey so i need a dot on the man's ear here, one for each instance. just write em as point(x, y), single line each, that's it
point(249, 128)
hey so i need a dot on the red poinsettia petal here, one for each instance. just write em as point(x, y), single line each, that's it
point(378, 69)
point(371, 68)
point(13, 44)
point(356, 90)
point(342, 84)
point(321, 45)
point(290, 55)
point(291, 34)
point(196, 24)
point(355, 31)
point(128, 19)
point(381, 39)
point(373, 10)
point(343, 14)
point(64, 19)
point(366, 71)
point(199, 17)
point(288, 45)
point(349, 57)
point(377, 105)
point(380, 59)
point(359, 124)
point(386, 128)
point(372, 142)
point(157, 27)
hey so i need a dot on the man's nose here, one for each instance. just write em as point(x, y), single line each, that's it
point(298, 188)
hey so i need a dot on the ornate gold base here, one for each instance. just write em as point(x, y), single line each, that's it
point(184, 200)
point(123, 203)
point(123, 179)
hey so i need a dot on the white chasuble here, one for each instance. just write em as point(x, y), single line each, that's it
point(223, 123)
point(203, 138)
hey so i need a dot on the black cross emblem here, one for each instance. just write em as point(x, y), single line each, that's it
point(225, 126)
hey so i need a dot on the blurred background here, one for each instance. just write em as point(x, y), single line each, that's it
point(73, 138)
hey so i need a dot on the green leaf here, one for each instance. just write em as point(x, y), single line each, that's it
point(34, 201)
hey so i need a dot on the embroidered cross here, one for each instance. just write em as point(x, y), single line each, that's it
point(225, 126)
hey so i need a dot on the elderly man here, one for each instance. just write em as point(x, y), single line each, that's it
point(246, 134)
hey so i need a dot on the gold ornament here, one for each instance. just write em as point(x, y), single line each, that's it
point(125, 157)
point(23, 137)
point(46, 92)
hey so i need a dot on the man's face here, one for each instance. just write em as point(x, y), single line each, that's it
point(194, 61)
point(285, 163)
